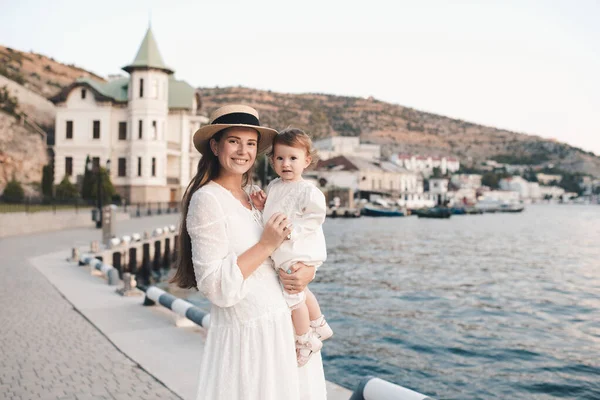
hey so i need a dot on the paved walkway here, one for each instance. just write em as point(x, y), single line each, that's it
point(50, 351)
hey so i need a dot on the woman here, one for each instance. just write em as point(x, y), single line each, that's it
point(224, 251)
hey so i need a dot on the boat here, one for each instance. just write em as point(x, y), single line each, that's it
point(371, 211)
point(511, 208)
point(434, 212)
point(458, 210)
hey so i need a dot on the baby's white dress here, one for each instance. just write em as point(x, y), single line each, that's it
point(249, 352)
point(305, 206)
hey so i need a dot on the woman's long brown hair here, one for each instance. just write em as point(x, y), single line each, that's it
point(208, 169)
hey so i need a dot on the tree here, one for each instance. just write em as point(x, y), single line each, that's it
point(437, 172)
point(13, 192)
point(570, 182)
point(48, 180)
point(89, 187)
point(530, 175)
point(490, 179)
point(65, 190)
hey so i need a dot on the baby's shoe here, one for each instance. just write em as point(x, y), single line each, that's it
point(306, 346)
point(321, 328)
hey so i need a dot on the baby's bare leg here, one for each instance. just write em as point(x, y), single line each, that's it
point(314, 310)
point(300, 319)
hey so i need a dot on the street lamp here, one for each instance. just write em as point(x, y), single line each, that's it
point(97, 172)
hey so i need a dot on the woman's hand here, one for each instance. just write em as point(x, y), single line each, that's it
point(298, 277)
point(275, 232)
point(259, 198)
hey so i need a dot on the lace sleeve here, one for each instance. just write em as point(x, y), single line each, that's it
point(218, 276)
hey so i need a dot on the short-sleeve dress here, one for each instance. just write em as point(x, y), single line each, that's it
point(249, 352)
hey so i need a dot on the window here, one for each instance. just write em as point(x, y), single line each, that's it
point(122, 166)
point(154, 131)
point(139, 166)
point(68, 166)
point(96, 129)
point(141, 87)
point(140, 128)
point(83, 93)
point(122, 130)
point(95, 163)
point(69, 129)
point(153, 166)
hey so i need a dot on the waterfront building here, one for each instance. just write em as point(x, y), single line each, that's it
point(466, 181)
point(426, 164)
point(438, 188)
point(372, 178)
point(346, 146)
point(515, 184)
point(463, 196)
point(143, 123)
point(551, 192)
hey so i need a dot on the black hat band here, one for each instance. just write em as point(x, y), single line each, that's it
point(237, 118)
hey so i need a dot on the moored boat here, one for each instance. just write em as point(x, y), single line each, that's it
point(434, 212)
point(371, 211)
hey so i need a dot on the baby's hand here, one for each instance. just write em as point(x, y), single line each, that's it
point(259, 199)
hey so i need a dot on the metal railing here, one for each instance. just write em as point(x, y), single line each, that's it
point(30, 205)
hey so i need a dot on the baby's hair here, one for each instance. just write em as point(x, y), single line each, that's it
point(295, 137)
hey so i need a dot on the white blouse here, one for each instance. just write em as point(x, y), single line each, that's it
point(249, 352)
point(304, 205)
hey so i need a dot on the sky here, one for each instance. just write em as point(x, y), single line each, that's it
point(527, 66)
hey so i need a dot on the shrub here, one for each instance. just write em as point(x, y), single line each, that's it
point(65, 190)
point(13, 192)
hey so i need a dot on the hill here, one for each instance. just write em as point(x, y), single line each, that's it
point(39, 73)
point(399, 128)
point(402, 129)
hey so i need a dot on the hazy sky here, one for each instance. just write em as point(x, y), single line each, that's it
point(527, 66)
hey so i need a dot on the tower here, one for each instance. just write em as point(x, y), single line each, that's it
point(148, 110)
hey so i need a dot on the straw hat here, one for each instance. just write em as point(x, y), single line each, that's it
point(233, 115)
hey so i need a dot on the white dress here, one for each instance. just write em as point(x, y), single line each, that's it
point(305, 206)
point(249, 352)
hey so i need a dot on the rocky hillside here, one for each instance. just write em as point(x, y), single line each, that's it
point(401, 128)
point(30, 79)
point(39, 73)
point(22, 154)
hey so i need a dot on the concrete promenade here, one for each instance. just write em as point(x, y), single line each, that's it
point(65, 334)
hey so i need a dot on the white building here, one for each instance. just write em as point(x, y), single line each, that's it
point(462, 196)
point(142, 123)
point(466, 181)
point(548, 179)
point(426, 164)
point(551, 192)
point(372, 176)
point(438, 188)
point(346, 146)
point(515, 184)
